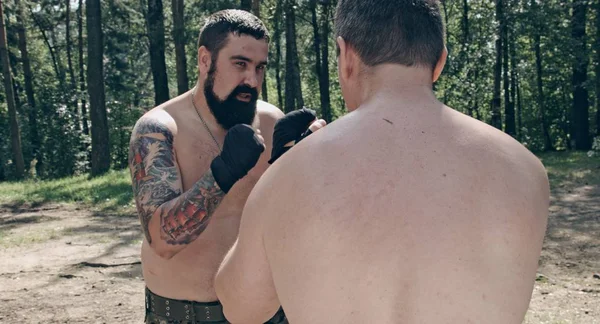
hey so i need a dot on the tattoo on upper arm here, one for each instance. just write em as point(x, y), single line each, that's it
point(157, 186)
point(188, 217)
point(154, 174)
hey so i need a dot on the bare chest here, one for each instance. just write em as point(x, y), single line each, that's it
point(194, 155)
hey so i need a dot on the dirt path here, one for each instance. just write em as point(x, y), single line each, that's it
point(65, 265)
point(62, 264)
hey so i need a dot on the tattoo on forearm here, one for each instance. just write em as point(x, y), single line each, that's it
point(157, 186)
point(184, 221)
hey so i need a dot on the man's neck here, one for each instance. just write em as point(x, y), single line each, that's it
point(397, 81)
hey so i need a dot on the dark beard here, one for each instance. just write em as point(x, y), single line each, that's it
point(231, 111)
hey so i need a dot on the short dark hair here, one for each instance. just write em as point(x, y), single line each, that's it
point(406, 32)
point(219, 25)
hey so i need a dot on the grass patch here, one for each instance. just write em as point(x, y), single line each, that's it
point(110, 192)
point(571, 168)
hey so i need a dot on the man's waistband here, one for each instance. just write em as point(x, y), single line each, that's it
point(184, 310)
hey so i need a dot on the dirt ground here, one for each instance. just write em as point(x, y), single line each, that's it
point(66, 264)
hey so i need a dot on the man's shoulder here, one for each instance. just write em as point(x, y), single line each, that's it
point(267, 114)
point(266, 110)
point(156, 120)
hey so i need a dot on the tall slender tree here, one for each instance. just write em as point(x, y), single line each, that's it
point(34, 137)
point(156, 34)
point(84, 113)
point(324, 75)
point(537, 31)
point(293, 86)
point(277, 40)
point(15, 133)
point(597, 68)
point(95, 77)
point(177, 6)
point(580, 123)
point(497, 101)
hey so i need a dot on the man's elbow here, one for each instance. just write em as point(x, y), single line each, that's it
point(243, 314)
point(162, 250)
point(240, 309)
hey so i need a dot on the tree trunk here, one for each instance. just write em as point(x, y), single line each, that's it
point(156, 34)
point(519, 111)
point(513, 79)
point(84, 113)
point(34, 137)
point(465, 22)
point(497, 101)
point(316, 39)
point(256, 12)
point(539, 78)
point(69, 44)
point(324, 76)
point(179, 39)
point(256, 8)
point(598, 68)
point(580, 121)
point(277, 37)
point(509, 109)
point(246, 5)
point(15, 134)
point(293, 86)
point(95, 76)
point(51, 49)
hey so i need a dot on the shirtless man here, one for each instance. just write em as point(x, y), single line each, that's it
point(193, 162)
point(402, 211)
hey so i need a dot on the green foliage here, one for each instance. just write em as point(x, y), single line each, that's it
point(466, 84)
point(111, 191)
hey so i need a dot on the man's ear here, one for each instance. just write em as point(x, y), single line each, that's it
point(439, 67)
point(346, 59)
point(204, 60)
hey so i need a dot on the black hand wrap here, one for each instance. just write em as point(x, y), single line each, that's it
point(241, 151)
point(293, 127)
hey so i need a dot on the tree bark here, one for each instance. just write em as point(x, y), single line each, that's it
point(539, 78)
point(598, 68)
point(513, 80)
point(51, 49)
point(84, 113)
point(246, 5)
point(179, 39)
point(256, 12)
point(15, 134)
point(69, 44)
point(580, 121)
point(519, 111)
point(509, 109)
point(316, 38)
point(156, 34)
point(34, 137)
point(497, 101)
point(95, 76)
point(293, 87)
point(324, 75)
point(277, 38)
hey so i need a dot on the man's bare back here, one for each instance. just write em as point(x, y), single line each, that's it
point(189, 274)
point(411, 214)
point(402, 211)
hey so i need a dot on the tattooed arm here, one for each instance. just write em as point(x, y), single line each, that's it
point(170, 218)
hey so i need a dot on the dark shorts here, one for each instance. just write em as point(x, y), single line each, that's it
point(160, 310)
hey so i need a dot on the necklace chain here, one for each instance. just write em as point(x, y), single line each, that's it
point(202, 119)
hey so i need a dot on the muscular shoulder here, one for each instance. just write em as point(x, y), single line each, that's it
point(156, 121)
point(268, 115)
